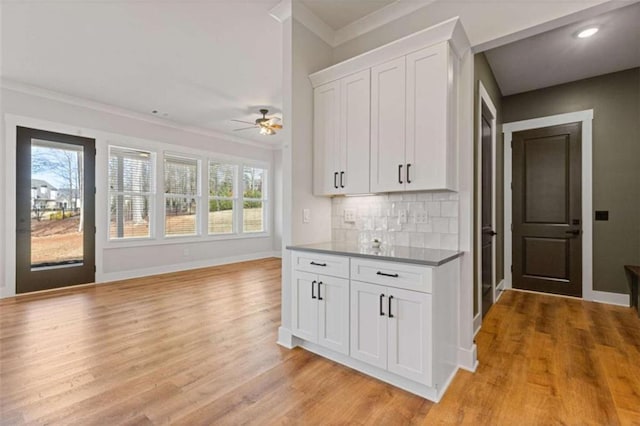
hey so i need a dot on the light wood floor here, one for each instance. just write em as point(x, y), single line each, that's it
point(199, 347)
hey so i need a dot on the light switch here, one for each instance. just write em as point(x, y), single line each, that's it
point(350, 215)
point(306, 215)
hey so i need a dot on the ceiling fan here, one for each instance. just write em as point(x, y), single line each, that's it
point(267, 126)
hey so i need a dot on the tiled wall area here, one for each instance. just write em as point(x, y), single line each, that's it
point(432, 219)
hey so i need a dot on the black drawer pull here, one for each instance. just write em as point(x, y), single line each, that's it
point(313, 293)
point(318, 264)
point(400, 173)
point(390, 314)
point(387, 275)
point(408, 179)
point(319, 284)
point(335, 180)
point(381, 311)
point(341, 177)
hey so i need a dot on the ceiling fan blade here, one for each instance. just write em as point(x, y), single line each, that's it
point(244, 128)
point(276, 126)
point(245, 122)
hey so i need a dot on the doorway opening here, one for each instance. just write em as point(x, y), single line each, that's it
point(55, 210)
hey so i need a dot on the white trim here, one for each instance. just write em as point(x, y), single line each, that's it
point(477, 324)
point(499, 290)
point(177, 267)
point(484, 98)
point(610, 298)
point(313, 23)
point(450, 30)
point(377, 19)
point(110, 109)
point(468, 358)
point(286, 338)
point(586, 118)
point(282, 11)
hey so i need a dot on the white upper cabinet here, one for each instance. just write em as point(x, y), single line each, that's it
point(411, 142)
point(388, 100)
point(430, 120)
point(341, 136)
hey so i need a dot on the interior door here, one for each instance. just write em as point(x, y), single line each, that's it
point(547, 241)
point(488, 234)
point(333, 318)
point(55, 210)
point(388, 103)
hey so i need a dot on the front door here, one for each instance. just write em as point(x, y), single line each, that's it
point(55, 214)
point(547, 242)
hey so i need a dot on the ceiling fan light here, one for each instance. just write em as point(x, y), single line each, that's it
point(586, 33)
point(266, 131)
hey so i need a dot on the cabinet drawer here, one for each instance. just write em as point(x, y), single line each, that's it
point(337, 266)
point(392, 274)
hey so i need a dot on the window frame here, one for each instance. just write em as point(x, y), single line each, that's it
point(198, 196)
point(152, 194)
point(264, 199)
point(235, 204)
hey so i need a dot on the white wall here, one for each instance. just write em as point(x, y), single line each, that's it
point(116, 261)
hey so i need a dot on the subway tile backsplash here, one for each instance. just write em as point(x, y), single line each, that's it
point(432, 219)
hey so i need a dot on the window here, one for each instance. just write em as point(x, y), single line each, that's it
point(131, 193)
point(254, 199)
point(222, 201)
point(182, 195)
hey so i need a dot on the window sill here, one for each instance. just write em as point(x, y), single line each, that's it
point(190, 239)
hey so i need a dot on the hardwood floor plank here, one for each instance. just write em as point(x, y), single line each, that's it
point(198, 347)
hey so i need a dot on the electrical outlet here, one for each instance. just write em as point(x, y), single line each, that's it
point(422, 217)
point(402, 216)
point(350, 215)
point(306, 216)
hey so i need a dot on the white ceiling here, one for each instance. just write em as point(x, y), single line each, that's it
point(201, 62)
point(339, 13)
point(557, 56)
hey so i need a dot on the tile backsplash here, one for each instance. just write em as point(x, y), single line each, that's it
point(431, 219)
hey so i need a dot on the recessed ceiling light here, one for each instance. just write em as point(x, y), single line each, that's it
point(587, 32)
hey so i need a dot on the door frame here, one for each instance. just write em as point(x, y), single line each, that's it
point(485, 99)
point(586, 118)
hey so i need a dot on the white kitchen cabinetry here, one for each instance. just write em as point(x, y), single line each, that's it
point(320, 304)
point(341, 136)
point(391, 320)
point(413, 141)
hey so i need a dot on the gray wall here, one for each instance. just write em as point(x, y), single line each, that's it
point(482, 72)
point(615, 99)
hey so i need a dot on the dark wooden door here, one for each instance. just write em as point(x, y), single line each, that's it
point(547, 241)
point(488, 233)
point(55, 210)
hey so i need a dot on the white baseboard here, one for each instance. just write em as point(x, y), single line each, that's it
point(165, 269)
point(286, 339)
point(468, 358)
point(500, 288)
point(477, 323)
point(610, 298)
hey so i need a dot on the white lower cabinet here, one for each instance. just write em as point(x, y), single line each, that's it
point(321, 310)
point(391, 329)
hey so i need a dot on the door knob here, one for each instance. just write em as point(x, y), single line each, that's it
point(491, 232)
point(573, 232)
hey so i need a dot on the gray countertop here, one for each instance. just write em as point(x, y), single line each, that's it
point(421, 256)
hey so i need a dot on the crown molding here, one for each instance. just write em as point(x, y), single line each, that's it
point(282, 11)
point(306, 17)
point(40, 92)
point(377, 19)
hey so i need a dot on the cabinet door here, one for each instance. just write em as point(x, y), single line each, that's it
point(388, 126)
point(326, 138)
point(410, 339)
point(355, 102)
point(304, 302)
point(427, 146)
point(333, 313)
point(368, 326)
